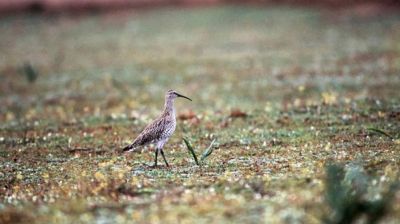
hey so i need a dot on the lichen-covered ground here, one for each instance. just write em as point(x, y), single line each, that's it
point(284, 91)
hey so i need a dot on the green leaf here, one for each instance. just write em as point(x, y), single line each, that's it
point(381, 132)
point(30, 72)
point(208, 151)
point(190, 149)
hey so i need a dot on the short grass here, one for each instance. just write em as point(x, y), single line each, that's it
point(306, 85)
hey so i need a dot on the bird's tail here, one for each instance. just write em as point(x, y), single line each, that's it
point(129, 148)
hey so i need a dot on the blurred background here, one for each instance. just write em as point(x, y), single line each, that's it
point(285, 86)
point(62, 5)
point(112, 56)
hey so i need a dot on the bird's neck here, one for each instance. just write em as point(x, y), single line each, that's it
point(169, 107)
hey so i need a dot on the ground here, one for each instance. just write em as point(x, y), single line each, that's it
point(284, 91)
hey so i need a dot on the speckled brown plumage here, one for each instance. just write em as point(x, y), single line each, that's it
point(159, 130)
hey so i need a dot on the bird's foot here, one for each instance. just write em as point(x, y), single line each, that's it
point(152, 166)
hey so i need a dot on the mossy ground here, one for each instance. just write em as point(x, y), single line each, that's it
point(309, 83)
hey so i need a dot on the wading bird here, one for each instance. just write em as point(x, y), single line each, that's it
point(160, 130)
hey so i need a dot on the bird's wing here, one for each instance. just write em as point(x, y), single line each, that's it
point(150, 133)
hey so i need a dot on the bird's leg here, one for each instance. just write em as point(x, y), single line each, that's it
point(155, 159)
point(162, 153)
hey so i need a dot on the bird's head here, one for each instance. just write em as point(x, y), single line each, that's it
point(171, 94)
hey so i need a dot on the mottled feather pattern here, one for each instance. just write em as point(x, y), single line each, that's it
point(160, 129)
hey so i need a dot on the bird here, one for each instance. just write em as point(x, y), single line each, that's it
point(159, 130)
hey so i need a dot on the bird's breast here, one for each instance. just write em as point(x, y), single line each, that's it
point(169, 130)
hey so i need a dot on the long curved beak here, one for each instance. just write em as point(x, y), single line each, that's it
point(179, 95)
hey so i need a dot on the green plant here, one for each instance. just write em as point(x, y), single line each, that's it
point(191, 151)
point(205, 154)
point(30, 72)
point(346, 194)
point(379, 131)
